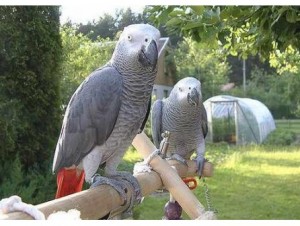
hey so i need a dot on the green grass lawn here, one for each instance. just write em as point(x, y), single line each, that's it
point(249, 182)
point(258, 183)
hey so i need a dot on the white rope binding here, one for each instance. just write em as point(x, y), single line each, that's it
point(14, 203)
point(143, 167)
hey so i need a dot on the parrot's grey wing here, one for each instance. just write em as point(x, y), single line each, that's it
point(204, 120)
point(156, 122)
point(90, 117)
point(146, 116)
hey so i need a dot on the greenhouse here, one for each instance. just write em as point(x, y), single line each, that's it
point(237, 120)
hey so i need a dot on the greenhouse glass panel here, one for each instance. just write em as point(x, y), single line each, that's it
point(237, 120)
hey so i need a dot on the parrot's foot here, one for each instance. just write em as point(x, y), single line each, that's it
point(136, 197)
point(200, 163)
point(98, 180)
point(178, 158)
point(132, 180)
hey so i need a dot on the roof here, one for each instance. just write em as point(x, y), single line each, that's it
point(163, 42)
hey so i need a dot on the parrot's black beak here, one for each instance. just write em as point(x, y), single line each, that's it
point(194, 97)
point(148, 55)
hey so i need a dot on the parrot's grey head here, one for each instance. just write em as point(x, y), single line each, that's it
point(188, 91)
point(137, 48)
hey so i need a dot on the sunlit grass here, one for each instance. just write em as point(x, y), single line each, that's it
point(272, 163)
point(258, 185)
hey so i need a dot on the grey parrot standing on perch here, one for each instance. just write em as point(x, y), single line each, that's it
point(184, 116)
point(107, 111)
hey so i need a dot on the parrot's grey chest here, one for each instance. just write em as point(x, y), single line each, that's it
point(130, 118)
point(185, 129)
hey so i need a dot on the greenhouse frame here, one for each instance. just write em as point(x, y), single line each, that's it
point(237, 120)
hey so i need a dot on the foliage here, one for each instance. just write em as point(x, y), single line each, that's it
point(287, 61)
point(9, 127)
point(195, 60)
point(243, 30)
point(278, 92)
point(127, 17)
point(281, 137)
point(81, 56)
point(30, 55)
point(287, 133)
point(291, 125)
point(251, 63)
point(104, 27)
point(108, 26)
point(33, 187)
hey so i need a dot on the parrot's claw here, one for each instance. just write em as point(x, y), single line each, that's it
point(178, 158)
point(200, 164)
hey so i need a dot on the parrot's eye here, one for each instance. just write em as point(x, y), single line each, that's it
point(129, 37)
point(146, 40)
point(189, 87)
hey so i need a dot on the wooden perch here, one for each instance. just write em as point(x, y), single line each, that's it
point(170, 178)
point(99, 202)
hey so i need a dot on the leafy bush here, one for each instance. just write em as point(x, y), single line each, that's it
point(281, 137)
point(9, 125)
point(30, 51)
point(33, 187)
point(278, 92)
point(81, 56)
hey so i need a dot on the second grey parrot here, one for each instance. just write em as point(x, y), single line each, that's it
point(107, 110)
point(184, 116)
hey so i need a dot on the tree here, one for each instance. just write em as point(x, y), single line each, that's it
point(242, 30)
point(280, 93)
point(195, 60)
point(30, 55)
point(81, 56)
point(252, 62)
point(287, 61)
point(108, 26)
point(104, 27)
point(127, 17)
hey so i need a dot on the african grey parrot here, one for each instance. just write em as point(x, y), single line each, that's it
point(107, 111)
point(184, 116)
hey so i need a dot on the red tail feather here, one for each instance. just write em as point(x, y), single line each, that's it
point(69, 181)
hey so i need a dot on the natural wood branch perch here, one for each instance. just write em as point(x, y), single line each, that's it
point(101, 201)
